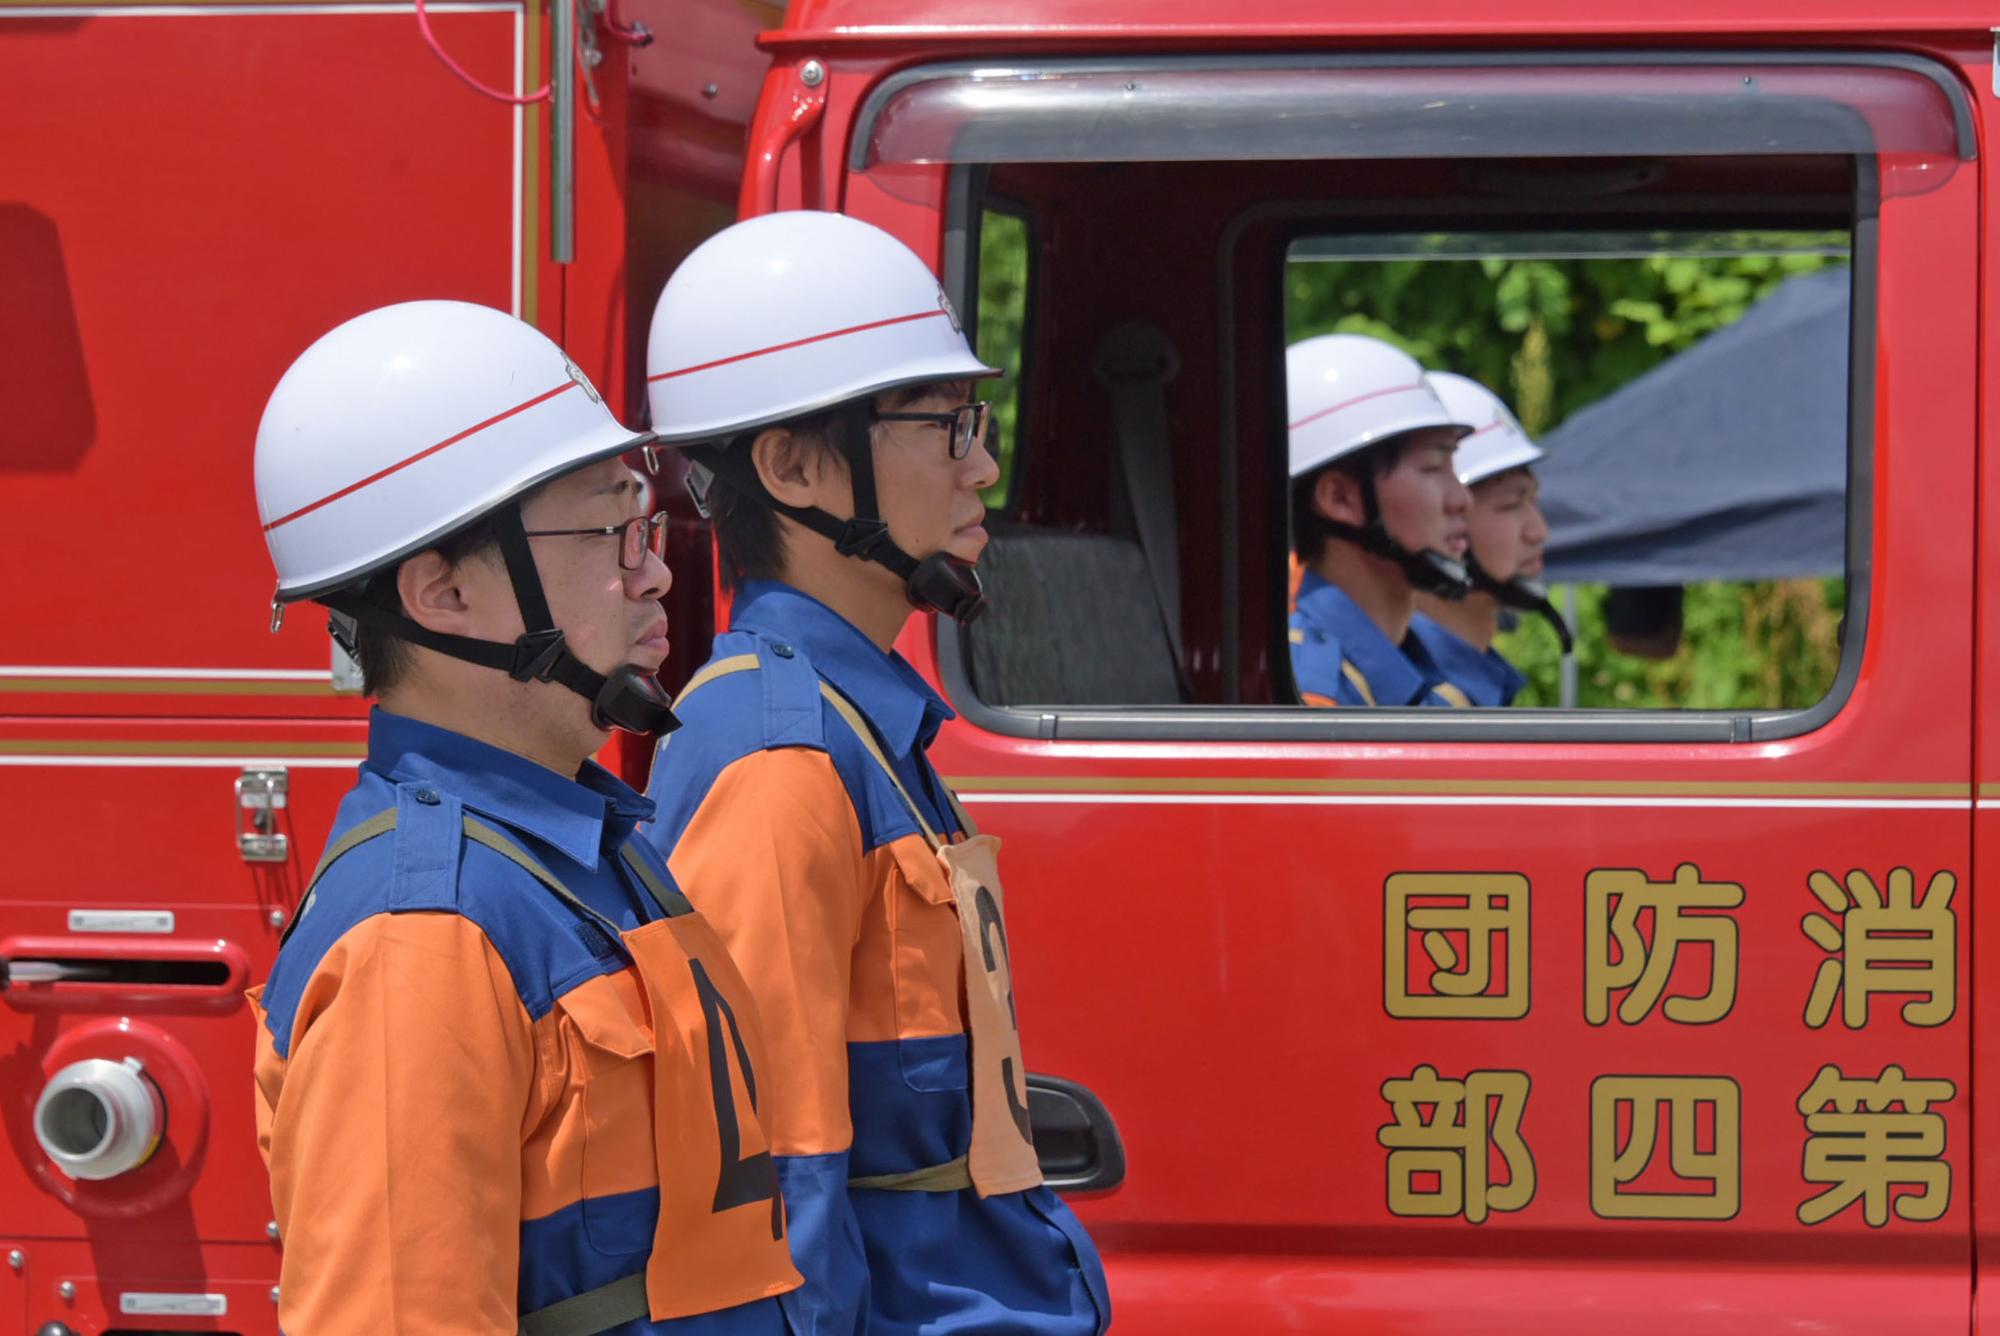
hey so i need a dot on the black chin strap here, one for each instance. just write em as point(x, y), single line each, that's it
point(629, 698)
point(1428, 571)
point(940, 582)
point(1525, 595)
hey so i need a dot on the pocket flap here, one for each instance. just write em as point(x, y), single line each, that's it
point(922, 870)
point(610, 1015)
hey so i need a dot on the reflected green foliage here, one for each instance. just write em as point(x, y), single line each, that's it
point(1552, 336)
point(1003, 309)
point(1766, 644)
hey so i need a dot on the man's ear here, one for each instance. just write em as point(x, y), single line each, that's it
point(1337, 496)
point(433, 592)
point(796, 469)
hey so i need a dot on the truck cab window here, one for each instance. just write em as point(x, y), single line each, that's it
point(1666, 283)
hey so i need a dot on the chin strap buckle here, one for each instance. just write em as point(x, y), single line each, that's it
point(860, 538)
point(535, 655)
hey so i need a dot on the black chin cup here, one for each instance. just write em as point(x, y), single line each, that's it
point(949, 585)
point(632, 699)
point(1525, 595)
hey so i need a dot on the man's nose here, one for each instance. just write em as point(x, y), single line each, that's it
point(651, 581)
point(981, 469)
point(1457, 498)
point(1537, 531)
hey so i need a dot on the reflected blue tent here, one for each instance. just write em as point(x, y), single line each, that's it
point(1725, 462)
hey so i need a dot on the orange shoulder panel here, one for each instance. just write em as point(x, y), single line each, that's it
point(393, 1133)
point(772, 859)
point(1314, 698)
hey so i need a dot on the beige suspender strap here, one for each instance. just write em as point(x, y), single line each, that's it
point(1357, 680)
point(951, 1176)
point(747, 663)
point(591, 1312)
point(480, 833)
point(379, 824)
point(735, 663)
point(1452, 693)
point(671, 902)
point(845, 709)
point(957, 808)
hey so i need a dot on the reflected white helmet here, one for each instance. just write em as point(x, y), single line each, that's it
point(407, 423)
point(791, 313)
point(1346, 392)
point(1497, 443)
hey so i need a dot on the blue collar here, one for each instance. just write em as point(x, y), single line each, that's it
point(893, 695)
point(579, 818)
point(1484, 676)
point(1391, 675)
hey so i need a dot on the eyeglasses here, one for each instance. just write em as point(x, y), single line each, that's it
point(967, 424)
point(636, 537)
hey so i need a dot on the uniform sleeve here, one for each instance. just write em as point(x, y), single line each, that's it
point(773, 859)
point(393, 1130)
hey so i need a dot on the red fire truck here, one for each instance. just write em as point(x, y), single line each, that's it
point(1371, 1020)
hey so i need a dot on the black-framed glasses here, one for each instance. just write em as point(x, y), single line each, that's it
point(636, 537)
point(967, 424)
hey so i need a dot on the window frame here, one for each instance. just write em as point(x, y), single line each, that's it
point(1286, 723)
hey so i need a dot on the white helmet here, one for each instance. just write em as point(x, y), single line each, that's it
point(791, 313)
point(1497, 443)
point(1345, 392)
point(413, 421)
point(407, 423)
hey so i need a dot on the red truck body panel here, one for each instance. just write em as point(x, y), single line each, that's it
point(1208, 930)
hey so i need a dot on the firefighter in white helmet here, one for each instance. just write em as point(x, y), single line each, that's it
point(1507, 532)
point(465, 1110)
point(1378, 517)
point(817, 375)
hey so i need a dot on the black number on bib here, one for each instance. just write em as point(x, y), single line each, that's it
point(990, 928)
point(743, 1179)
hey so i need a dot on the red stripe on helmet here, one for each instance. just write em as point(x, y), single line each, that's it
point(352, 488)
point(798, 343)
point(1362, 399)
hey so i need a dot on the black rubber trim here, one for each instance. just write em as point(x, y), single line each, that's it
point(1961, 106)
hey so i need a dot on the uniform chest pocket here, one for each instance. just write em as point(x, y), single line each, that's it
point(609, 1045)
point(929, 959)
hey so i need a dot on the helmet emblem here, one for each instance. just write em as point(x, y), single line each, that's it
point(576, 374)
point(950, 313)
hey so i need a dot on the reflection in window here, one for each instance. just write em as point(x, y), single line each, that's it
point(1694, 480)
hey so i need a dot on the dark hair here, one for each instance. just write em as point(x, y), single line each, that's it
point(1310, 529)
point(748, 537)
point(383, 655)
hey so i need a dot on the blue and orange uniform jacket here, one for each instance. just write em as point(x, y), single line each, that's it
point(1484, 676)
point(1340, 657)
point(812, 868)
point(455, 1069)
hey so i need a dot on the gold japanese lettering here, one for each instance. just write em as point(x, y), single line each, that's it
point(1455, 927)
point(1884, 941)
point(1620, 906)
point(1441, 1164)
point(1866, 1137)
point(1706, 1182)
